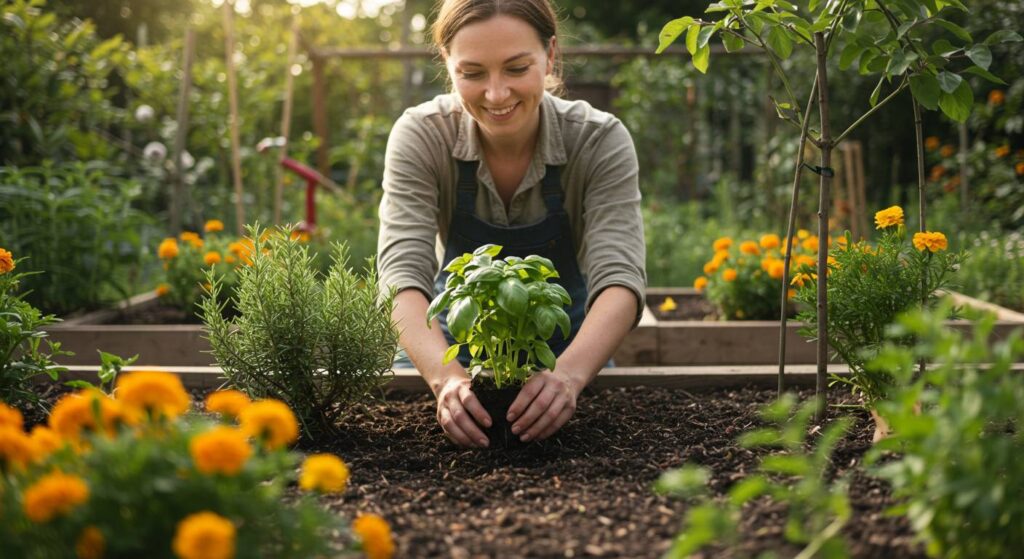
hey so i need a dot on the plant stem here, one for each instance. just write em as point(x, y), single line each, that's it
point(797, 176)
point(920, 204)
point(823, 201)
point(863, 117)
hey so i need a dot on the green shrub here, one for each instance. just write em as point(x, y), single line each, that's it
point(77, 225)
point(317, 342)
point(958, 436)
point(21, 356)
point(994, 271)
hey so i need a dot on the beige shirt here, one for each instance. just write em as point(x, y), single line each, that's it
point(599, 181)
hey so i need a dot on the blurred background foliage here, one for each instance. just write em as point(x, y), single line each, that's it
point(94, 84)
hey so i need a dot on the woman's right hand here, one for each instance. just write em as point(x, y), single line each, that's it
point(457, 407)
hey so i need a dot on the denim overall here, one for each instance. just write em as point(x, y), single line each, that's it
point(550, 238)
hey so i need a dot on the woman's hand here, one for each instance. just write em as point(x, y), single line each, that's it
point(457, 407)
point(549, 400)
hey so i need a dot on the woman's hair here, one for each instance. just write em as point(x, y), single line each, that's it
point(453, 15)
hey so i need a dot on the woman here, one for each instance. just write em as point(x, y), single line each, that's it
point(501, 160)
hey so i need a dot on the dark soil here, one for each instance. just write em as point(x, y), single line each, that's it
point(587, 491)
point(688, 307)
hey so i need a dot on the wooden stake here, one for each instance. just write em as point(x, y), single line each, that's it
point(286, 119)
point(823, 201)
point(236, 157)
point(320, 114)
point(178, 194)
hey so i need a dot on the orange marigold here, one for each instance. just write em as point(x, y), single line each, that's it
point(810, 244)
point(221, 450)
point(996, 97)
point(228, 403)
point(770, 241)
point(1019, 167)
point(213, 226)
point(10, 416)
point(54, 494)
point(711, 267)
point(211, 258)
point(802, 234)
point(74, 413)
point(6, 261)
point(155, 392)
point(893, 215)
point(750, 247)
point(44, 442)
point(1002, 151)
point(729, 274)
point(162, 290)
point(777, 268)
point(204, 535)
point(168, 249)
point(700, 283)
point(722, 243)
point(270, 421)
point(947, 150)
point(16, 449)
point(325, 473)
point(931, 143)
point(937, 173)
point(91, 544)
point(930, 240)
point(375, 535)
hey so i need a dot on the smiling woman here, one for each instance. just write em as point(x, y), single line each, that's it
point(501, 160)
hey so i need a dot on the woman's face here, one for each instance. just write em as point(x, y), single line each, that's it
point(498, 67)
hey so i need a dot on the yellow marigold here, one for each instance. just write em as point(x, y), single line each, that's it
point(888, 217)
point(802, 234)
point(375, 536)
point(10, 416)
point(1002, 151)
point(720, 256)
point(300, 236)
point(54, 494)
point(996, 97)
point(711, 267)
point(16, 449)
point(6, 261)
point(799, 279)
point(211, 258)
point(930, 240)
point(766, 262)
point(810, 244)
point(722, 243)
point(804, 260)
point(750, 247)
point(842, 243)
point(91, 544)
point(776, 270)
point(213, 226)
point(227, 402)
point(162, 290)
point(221, 450)
point(729, 274)
point(237, 247)
point(270, 421)
point(700, 283)
point(947, 150)
point(931, 143)
point(1019, 167)
point(168, 249)
point(204, 535)
point(668, 305)
point(44, 442)
point(325, 473)
point(155, 392)
point(769, 241)
point(192, 238)
point(74, 413)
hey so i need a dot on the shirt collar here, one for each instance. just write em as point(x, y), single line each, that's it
point(552, 147)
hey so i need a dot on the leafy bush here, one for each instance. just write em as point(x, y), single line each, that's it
point(868, 287)
point(817, 508)
point(77, 225)
point(317, 342)
point(187, 258)
point(21, 356)
point(505, 311)
point(130, 476)
point(994, 271)
point(958, 436)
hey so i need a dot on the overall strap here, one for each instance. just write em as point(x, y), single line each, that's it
point(551, 186)
point(465, 191)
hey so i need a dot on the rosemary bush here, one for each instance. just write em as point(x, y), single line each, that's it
point(316, 342)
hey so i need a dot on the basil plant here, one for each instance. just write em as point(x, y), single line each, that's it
point(504, 311)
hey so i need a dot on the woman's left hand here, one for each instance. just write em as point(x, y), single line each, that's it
point(549, 400)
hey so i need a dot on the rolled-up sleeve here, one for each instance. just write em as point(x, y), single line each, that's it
point(409, 208)
point(613, 234)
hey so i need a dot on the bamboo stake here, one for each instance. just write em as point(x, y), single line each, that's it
point(320, 114)
point(177, 204)
point(286, 119)
point(920, 202)
point(236, 157)
point(826, 163)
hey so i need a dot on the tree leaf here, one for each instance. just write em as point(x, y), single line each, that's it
point(958, 105)
point(925, 89)
point(732, 42)
point(955, 29)
point(780, 42)
point(985, 74)
point(949, 81)
point(704, 36)
point(877, 91)
point(980, 55)
point(691, 38)
point(1003, 36)
point(851, 52)
point(702, 58)
point(671, 31)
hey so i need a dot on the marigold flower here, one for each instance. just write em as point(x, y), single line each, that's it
point(799, 279)
point(74, 413)
point(996, 97)
point(213, 226)
point(6, 261)
point(1002, 151)
point(300, 236)
point(155, 392)
point(888, 217)
point(947, 150)
point(951, 184)
point(228, 403)
point(842, 243)
point(91, 544)
point(769, 241)
point(10, 416)
point(776, 270)
point(375, 535)
point(720, 256)
point(325, 473)
point(700, 283)
point(931, 143)
point(16, 449)
point(722, 243)
point(668, 305)
point(790, 293)
point(54, 494)
point(221, 450)
point(937, 173)
point(162, 290)
point(729, 274)
point(930, 240)
point(810, 244)
point(168, 249)
point(204, 535)
point(804, 260)
point(211, 258)
point(270, 421)
point(711, 267)
point(802, 234)
point(750, 247)
point(1019, 167)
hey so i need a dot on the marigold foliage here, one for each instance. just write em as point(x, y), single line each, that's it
point(221, 450)
point(154, 392)
point(375, 535)
point(54, 494)
point(205, 535)
point(271, 422)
